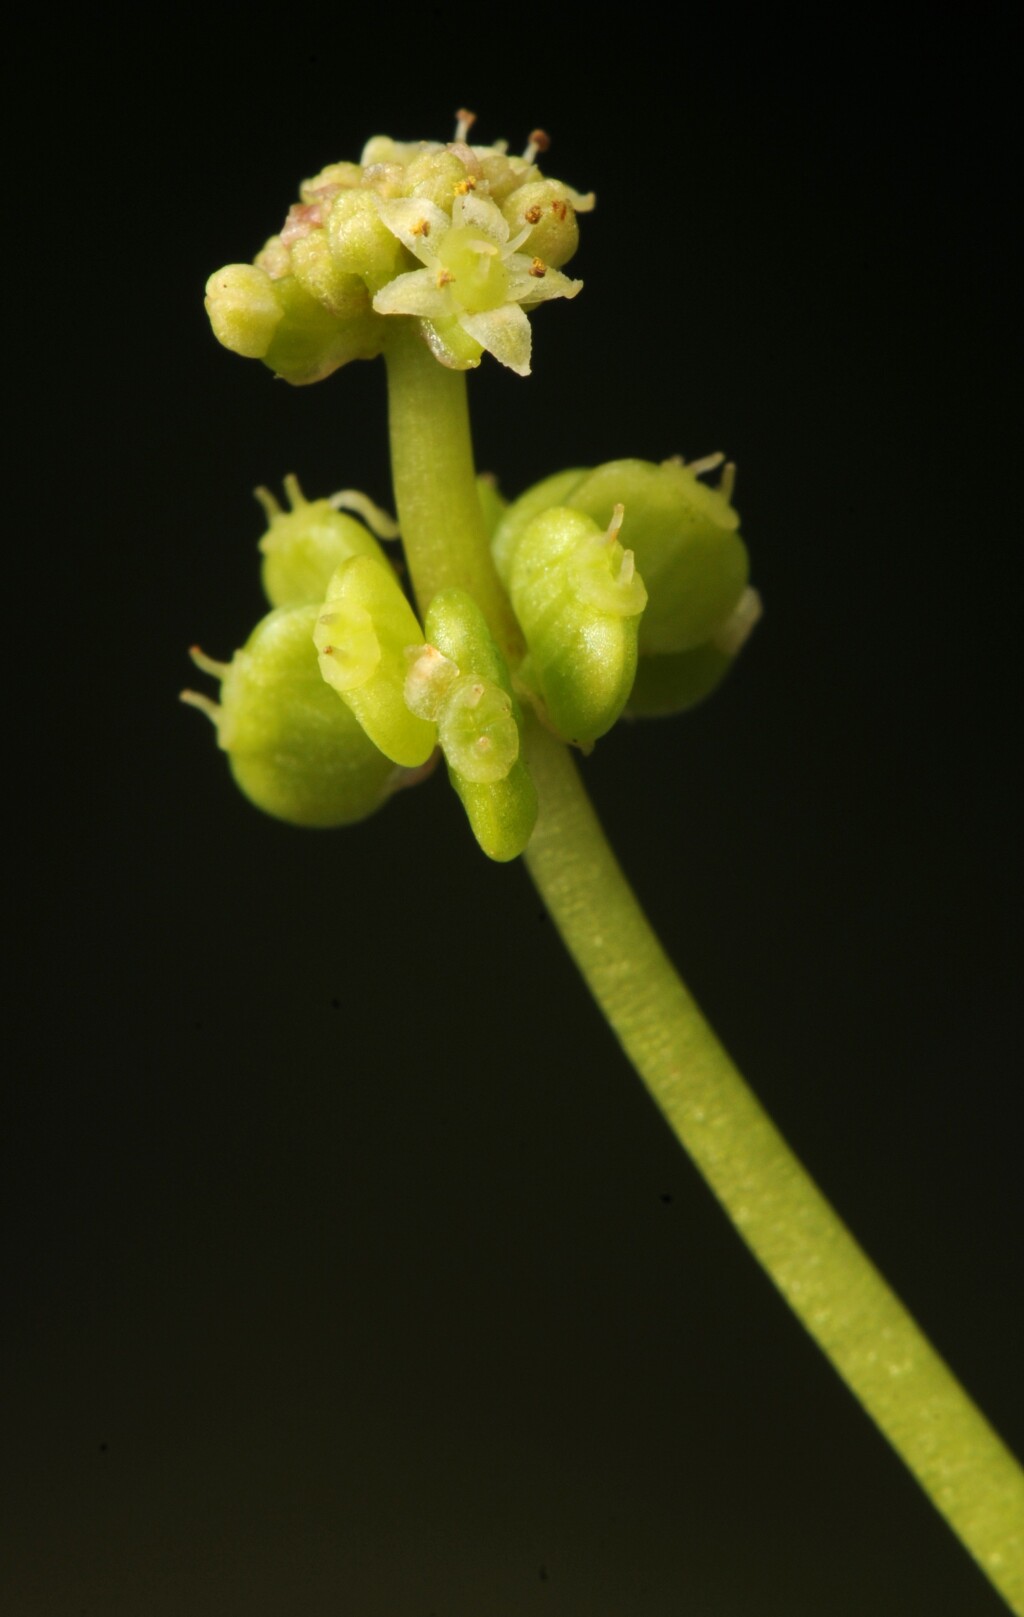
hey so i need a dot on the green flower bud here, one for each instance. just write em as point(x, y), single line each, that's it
point(553, 490)
point(439, 176)
point(544, 210)
point(294, 750)
point(323, 187)
point(684, 536)
point(362, 631)
point(461, 680)
point(316, 269)
point(579, 600)
point(244, 309)
point(304, 546)
point(361, 244)
point(310, 342)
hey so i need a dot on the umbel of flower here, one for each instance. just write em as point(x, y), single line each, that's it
point(464, 239)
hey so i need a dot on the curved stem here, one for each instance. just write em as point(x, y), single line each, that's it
point(829, 1282)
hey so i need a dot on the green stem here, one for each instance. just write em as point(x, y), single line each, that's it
point(434, 478)
point(829, 1282)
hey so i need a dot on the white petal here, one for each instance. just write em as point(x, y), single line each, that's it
point(415, 292)
point(505, 333)
point(480, 213)
point(419, 225)
point(530, 289)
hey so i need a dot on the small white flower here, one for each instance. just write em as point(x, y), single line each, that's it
point(474, 282)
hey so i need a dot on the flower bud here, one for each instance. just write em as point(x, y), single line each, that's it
point(461, 679)
point(553, 490)
point(439, 177)
point(361, 244)
point(579, 599)
point(544, 209)
point(294, 750)
point(244, 309)
point(362, 631)
point(316, 270)
point(304, 546)
point(330, 180)
point(310, 342)
point(684, 536)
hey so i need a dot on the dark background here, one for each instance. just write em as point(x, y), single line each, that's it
point(349, 1268)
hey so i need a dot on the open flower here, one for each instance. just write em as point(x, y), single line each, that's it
point(475, 286)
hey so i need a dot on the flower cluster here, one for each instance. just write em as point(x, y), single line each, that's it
point(464, 239)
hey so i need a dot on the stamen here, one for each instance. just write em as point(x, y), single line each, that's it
point(727, 481)
point(615, 524)
point(539, 141)
point(538, 268)
point(464, 123)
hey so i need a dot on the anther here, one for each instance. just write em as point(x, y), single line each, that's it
point(539, 141)
point(464, 123)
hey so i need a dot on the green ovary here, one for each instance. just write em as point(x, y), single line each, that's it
point(478, 733)
point(479, 278)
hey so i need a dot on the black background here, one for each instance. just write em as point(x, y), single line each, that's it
point(349, 1268)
